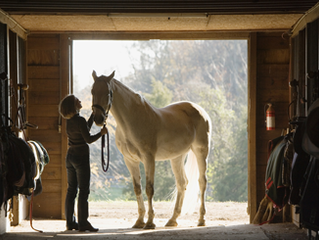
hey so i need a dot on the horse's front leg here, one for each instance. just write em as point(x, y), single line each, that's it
point(149, 172)
point(134, 169)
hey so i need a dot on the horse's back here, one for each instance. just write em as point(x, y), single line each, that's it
point(195, 113)
point(190, 115)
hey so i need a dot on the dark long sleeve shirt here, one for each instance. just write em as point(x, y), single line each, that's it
point(78, 131)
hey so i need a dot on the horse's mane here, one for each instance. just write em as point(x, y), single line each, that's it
point(135, 95)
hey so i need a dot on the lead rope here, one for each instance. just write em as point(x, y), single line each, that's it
point(108, 151)
point(31, 207)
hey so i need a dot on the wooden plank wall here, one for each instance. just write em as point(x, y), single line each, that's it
point(305, 60)
point(311, 60)
point(299, 71)
point(44, 80)
point(48, 77)
point(272, 86)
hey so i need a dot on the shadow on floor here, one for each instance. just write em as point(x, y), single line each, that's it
point(111, 229)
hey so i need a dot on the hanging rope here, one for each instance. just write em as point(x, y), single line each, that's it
point(31, 207)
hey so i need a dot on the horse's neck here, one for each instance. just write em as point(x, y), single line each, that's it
point(126, 102)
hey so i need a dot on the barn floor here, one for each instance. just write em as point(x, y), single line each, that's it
point(224, 220)
point(114, 229)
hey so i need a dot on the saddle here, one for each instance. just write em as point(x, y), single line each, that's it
point(21, 165)
point(278, 167)
point(309, 202)
point(41, 159)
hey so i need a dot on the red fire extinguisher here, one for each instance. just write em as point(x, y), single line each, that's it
point(270, 117)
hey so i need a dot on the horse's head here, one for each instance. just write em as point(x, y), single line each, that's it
point(101, 97)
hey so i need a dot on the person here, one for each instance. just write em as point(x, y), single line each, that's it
point(78, 162)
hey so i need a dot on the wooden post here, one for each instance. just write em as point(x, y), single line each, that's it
point(65, 88)
point(252, 170)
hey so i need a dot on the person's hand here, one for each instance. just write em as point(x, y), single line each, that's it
point(103, 130)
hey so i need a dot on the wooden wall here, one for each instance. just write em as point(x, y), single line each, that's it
point(272, 86)
point(305, 60)
point(48, 77)
point(45, 74)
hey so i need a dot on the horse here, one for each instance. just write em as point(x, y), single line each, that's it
point(147, 134)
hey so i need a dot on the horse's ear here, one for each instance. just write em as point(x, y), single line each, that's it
point(109, 78)
point(94, 75)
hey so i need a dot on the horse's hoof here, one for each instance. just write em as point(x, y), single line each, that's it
point(201, 223)
point(171, 223)
point(149, 226)
point(139, 224)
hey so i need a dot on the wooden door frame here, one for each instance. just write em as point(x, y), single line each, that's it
point(66, 80)
point(251, 126)
point(251, 85)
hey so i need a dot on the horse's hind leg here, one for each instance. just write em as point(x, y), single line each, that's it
point(181, 183)
point(134, 169)
point(201, 155)
point(150, 174)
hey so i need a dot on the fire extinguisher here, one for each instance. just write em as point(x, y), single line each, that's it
point(270, 117)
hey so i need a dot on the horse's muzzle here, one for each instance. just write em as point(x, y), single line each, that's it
point(100, 116)
point(100, 120)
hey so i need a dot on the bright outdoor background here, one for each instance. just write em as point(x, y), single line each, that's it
point(212, 73)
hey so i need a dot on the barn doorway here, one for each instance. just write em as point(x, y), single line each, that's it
point(212, 73)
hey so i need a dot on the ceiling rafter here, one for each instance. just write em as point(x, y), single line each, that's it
point(157, 6)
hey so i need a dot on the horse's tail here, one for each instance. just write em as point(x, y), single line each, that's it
point(191, 197)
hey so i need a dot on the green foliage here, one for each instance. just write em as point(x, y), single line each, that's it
point(227, 173)
point(160, 96)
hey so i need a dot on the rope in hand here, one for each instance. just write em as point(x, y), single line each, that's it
point(105, 167)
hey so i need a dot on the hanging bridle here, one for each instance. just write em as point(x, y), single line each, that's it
point(105, 167)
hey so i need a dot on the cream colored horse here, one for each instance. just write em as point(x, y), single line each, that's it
point(145, 134)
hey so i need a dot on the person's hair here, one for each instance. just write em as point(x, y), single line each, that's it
point(67, 107)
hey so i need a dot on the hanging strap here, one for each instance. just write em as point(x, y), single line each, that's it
point(105, 167)
point(31, 207)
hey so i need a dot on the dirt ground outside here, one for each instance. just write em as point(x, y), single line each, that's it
point(217, 212)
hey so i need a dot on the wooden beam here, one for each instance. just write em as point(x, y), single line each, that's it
point(164, 35)
point(252, 179)
point(13, 25)
point(310, 16)
point(65, 88)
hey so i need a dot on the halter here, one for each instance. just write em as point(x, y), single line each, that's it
point(105, 111)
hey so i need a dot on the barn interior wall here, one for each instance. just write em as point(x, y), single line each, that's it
point(305, 69)
point(12, 69)
point(3, 68)
point(272, 86)
point(311, 59)
point(45, 72)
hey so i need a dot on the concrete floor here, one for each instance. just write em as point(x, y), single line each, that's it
point(114, 229)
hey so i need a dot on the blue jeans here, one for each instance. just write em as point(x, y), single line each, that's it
point(78, 173)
